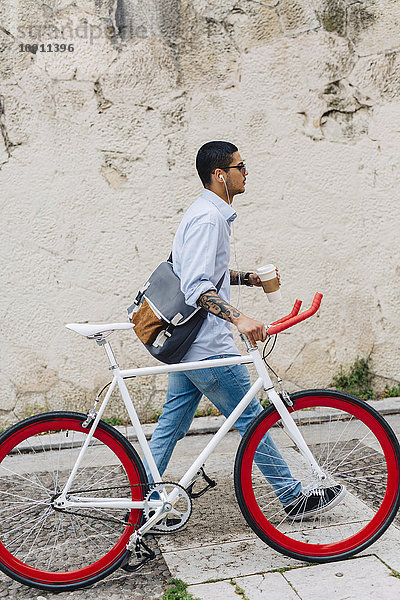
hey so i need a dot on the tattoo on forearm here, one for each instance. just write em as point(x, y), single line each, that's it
point(214, 304)
point(235, 277)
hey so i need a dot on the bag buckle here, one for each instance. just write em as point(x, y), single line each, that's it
point(166, 333)
point(140, 293)
point(178, 317)
point(160, 339)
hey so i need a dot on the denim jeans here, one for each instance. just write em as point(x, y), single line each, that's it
point(224, 387)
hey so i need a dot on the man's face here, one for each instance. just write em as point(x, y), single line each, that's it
point(236, 177)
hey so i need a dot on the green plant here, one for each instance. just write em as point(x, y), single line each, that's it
point(211, 411)
point(177, 591)
point(238, 590)
point(265, 403)
point(393, 572)
point(391, 392)
point(357, 380)
point(34, 409)
point(113, 421)
point(152, 414)
point(155, 415)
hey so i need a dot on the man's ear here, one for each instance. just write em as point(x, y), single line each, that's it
point(219, 175)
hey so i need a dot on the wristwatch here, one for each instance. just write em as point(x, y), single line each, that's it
point(246, 280)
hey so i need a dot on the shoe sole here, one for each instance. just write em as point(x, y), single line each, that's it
point(311, 513)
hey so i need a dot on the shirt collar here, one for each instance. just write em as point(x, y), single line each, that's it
point(225, 209)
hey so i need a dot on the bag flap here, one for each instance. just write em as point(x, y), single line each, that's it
point(164, 292)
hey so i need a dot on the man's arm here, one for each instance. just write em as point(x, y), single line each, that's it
point(253, 278)
point(234, 277)
point(211, 302)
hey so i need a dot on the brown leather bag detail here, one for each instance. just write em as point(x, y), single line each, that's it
point(147, 325)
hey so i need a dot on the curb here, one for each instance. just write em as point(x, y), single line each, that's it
point(199, 426)
point(203, 425)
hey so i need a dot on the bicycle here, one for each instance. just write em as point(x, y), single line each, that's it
point(83, 507)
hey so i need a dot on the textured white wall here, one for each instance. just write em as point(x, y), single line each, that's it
point(97, 151)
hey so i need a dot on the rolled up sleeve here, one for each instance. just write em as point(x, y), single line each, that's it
point(198, 260)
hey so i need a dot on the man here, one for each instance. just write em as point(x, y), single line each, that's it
point(200, 254)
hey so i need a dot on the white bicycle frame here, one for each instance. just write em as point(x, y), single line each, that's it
point(67, 500)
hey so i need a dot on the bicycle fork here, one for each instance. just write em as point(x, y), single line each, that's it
point(290, 426)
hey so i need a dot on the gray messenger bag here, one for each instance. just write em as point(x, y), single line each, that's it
point(162, 320)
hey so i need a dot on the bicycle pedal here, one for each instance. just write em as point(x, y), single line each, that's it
point(143, 556)
point(210, 484)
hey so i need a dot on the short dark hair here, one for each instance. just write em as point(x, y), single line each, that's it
point(211, 156)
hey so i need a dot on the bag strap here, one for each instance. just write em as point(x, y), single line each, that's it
point(220, 282)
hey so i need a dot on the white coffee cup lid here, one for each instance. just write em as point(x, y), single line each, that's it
point(266, 269)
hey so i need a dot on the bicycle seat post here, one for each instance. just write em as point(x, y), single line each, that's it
point(100, 339)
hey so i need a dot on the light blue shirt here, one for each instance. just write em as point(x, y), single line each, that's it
point(200, 254)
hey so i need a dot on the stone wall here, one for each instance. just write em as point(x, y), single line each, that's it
point(97, 151)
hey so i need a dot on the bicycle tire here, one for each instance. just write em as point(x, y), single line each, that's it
point(54, 549)
point(355, 447)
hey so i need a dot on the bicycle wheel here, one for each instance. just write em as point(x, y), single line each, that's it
point(64, 549)
point(354, 446)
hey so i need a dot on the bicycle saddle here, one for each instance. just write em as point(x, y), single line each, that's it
point(91, 329)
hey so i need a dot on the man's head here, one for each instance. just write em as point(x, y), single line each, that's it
point(219, 164)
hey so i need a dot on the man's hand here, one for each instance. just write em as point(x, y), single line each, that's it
point(254, 330)
point(255, 280)
point(211, 302)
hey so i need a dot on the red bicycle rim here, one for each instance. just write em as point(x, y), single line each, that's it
point(366, 533)
point(117, 550)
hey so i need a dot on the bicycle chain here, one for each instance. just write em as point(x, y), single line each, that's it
point(116, 487)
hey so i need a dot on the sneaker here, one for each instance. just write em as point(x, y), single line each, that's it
point(315, 502)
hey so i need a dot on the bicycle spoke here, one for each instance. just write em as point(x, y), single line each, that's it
point(54, 545)
point(360, 487)
point(14, 474)
point(71, 540)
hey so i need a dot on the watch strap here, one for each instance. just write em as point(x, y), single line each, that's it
point(246, 280)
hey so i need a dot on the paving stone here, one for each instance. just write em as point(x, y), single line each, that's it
point(147, 584)
point(387, 547)
point(226, 560)
point(217, 543)
point(255, 587)
point(229, 548)
point(363, 578)
point(269, 585)
point(220, 590)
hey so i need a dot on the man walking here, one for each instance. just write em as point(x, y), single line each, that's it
point(200, 253)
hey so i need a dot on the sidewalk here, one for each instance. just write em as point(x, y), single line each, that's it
point(218, 545)
point(201, 425)
point(218, 555)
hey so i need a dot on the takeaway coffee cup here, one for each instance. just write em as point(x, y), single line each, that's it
point(269, 281)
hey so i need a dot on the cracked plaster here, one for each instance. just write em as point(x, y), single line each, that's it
point(97, 166)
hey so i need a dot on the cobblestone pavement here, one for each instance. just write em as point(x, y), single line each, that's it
point(206, 548)
point(147, 584)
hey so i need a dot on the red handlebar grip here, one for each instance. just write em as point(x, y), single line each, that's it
point(288, 321)
point(295, 311)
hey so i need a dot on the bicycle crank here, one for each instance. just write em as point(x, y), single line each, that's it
point(177, 512)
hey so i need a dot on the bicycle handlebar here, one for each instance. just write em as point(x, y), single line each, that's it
point(294, 317)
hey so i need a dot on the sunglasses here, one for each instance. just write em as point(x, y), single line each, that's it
point(240, 166)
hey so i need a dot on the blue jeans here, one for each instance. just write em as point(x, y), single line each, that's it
point(224, 387)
